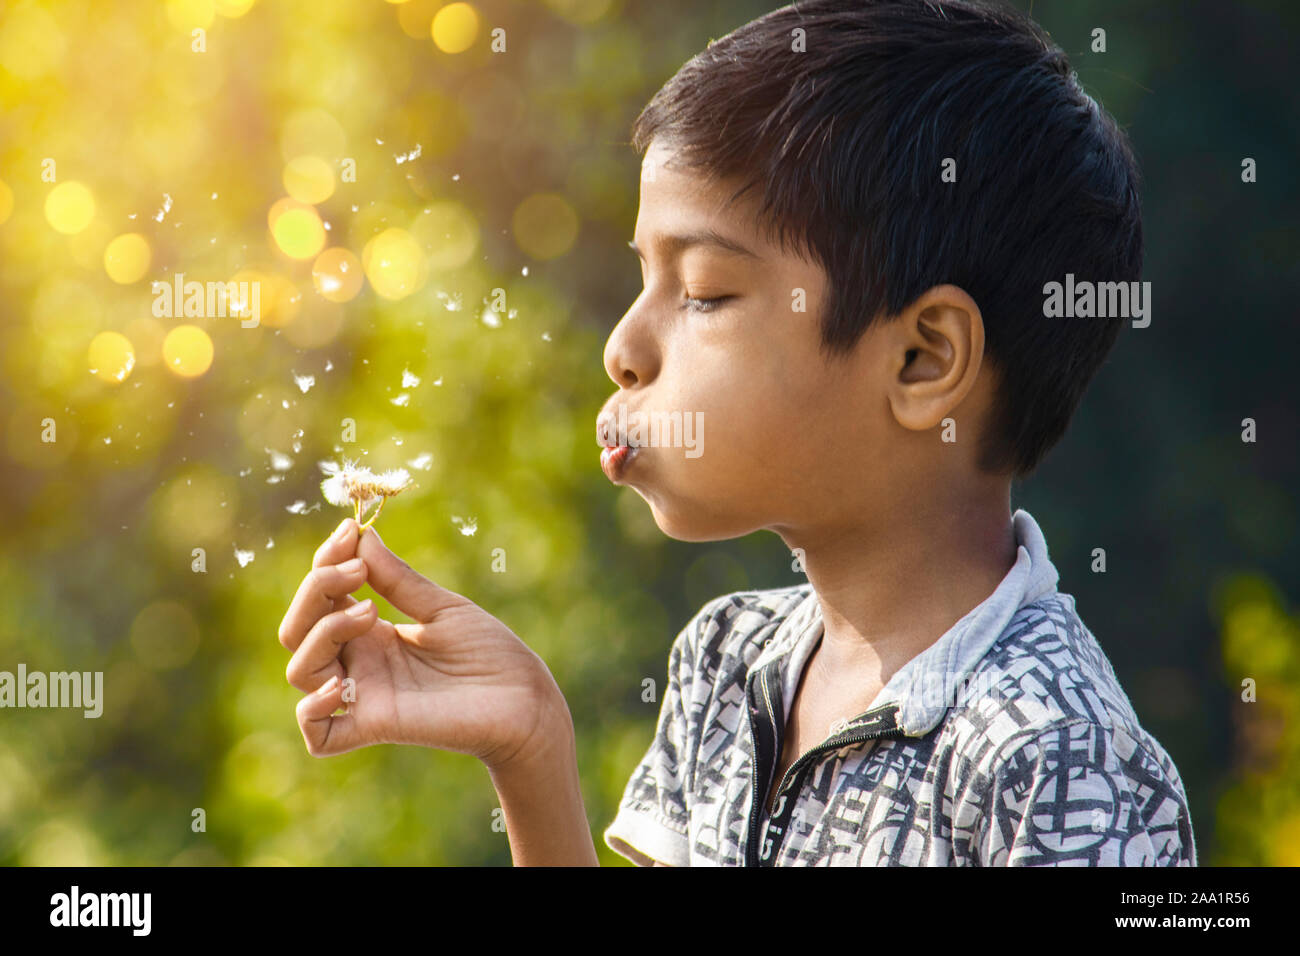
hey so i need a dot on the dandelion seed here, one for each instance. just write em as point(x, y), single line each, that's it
point(350, 484)
point(409, 380)
point(406, 157)
point(246, 472)
point(243, 557)
point(491, 319)
point(279, 460)
point(423, 462)
point(166, 208)
point(438, 380)
point(403, 399)
point(467, 526)
point(524, 271)
point(546, 336)
point(304, 382)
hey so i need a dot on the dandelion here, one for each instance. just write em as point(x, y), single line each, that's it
point(359, 487)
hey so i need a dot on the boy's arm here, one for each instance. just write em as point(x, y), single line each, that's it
point(541, 798)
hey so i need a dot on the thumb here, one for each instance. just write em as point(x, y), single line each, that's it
point(401, 585)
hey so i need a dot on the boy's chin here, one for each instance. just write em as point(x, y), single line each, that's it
point(697, 523)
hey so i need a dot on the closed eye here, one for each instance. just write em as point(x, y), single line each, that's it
point(706, 305)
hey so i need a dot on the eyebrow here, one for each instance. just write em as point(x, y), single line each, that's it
point(675, 244)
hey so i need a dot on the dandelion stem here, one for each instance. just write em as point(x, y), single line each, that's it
point(375, 513)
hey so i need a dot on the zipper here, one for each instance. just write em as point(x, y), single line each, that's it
point(751, 844)
point(835, 744)
point(886, 716)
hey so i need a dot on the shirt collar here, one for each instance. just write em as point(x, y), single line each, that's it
point(927, 685)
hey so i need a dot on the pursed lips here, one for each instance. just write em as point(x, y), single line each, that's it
point(614, 455)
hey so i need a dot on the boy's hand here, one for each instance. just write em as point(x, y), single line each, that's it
point(456, 679)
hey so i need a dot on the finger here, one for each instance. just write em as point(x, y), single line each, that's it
point(324, 734)
point(317, 659)
point(341, 545)
point(319, 594)
point(399, 584)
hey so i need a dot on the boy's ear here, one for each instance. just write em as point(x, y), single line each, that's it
point(934, 352)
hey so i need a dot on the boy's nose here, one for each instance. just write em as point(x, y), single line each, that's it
point(630, 354)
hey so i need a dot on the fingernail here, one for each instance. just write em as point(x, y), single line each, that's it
point(328, 686)
point(343, 526)
point(348, 567)
point(361, 608)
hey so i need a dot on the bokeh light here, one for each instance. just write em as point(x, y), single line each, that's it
point(187, 351)
point(450, 233)
point(188, 14)
point(309, 179)
point(111, 356)
point(126, 259)
point(545, 225)
point(455, 27)
point(70, 207)
point(337, 275)
point(299, 232)
point(392, 262)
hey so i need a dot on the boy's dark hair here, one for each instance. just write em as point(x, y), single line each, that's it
point(847, 141)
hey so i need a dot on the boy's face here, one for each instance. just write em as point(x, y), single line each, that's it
point(786, 439)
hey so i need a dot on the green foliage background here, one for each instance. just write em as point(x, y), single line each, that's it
point(95, 567)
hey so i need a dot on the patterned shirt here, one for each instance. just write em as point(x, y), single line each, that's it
point(1007, 742)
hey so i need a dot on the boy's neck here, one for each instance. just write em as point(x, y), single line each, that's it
point(889, 591)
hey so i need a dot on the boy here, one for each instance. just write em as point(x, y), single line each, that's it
point(849, 214)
